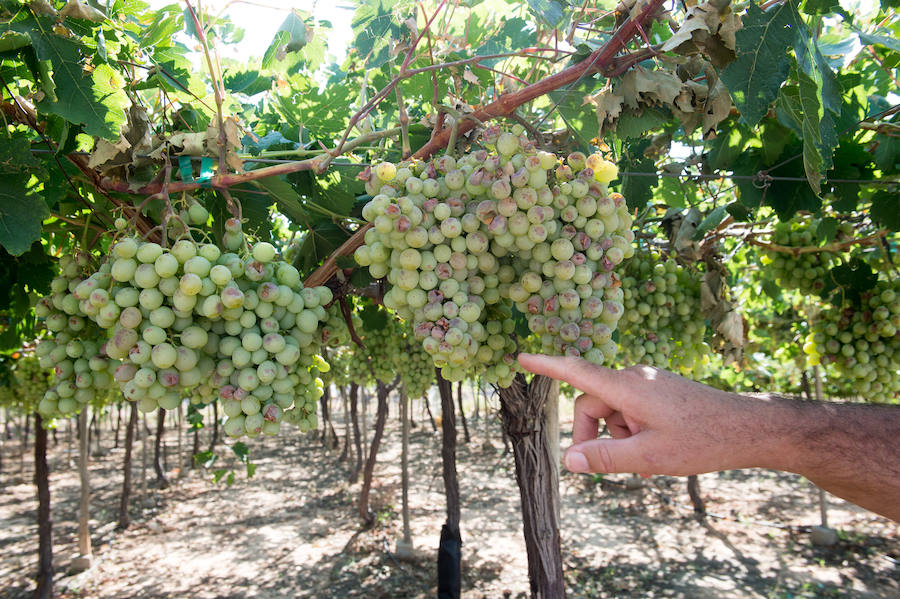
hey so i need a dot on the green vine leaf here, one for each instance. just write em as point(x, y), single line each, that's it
point(552, 12)
point(813, 163)
point(880, 40)
point(637, 189)
point(22, 210)
point(886, 209)
point(94, 98)
point(515, 33)
point(762, 62)
point(320, 242)
point(374, 26)
point(286, 199)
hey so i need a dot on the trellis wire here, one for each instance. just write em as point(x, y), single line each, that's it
point(761, 177)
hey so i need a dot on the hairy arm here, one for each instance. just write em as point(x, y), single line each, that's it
point(850, 450)
point(661, 423)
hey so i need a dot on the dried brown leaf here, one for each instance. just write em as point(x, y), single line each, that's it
point(717, 109)
point(107, 154)
point(732, 328)
point(609, 107)
point(78, 10)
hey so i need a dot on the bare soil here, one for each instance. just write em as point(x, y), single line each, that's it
point(292, 530)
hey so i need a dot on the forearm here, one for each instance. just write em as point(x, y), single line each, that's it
point(850, 450)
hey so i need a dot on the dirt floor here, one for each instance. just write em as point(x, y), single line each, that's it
point(292, 530)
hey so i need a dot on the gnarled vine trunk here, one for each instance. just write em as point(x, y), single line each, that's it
point(118, 425)
point(124, 518)
point(329, 436)
point(462, 412)
point(449, 559)
point(44, 588)
point(161, 479)
point(430, 415)
point(693, 489)
point(357, 441)
point(524, 421)
point(380, 417)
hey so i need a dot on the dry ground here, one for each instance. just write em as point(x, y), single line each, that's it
point(292, 531)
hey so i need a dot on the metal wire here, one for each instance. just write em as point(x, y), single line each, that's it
point(761, 177)
point(758, 177)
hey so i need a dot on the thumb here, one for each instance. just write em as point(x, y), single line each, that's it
point(608, 456)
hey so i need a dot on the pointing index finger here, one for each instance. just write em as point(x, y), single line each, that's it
point(581, 374)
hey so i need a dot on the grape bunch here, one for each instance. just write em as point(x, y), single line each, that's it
point(663, 325)
point(394, 350)
point(463, 243)
point(74, 345)
point(804, 272)
point(388, 344)
point(418, 370)
point(32, 381)
point(861, 343)
point(192, 320)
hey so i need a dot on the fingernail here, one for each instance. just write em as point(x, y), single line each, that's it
point(576, 462)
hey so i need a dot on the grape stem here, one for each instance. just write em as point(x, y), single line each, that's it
point(318, 163)
point(830, 247)
point(345, 312)
point(454, 128)
point(507, 103)
point(404, 125)
point(329, 267)
point(76, 223)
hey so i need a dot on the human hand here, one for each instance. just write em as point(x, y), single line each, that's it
point(660, 422)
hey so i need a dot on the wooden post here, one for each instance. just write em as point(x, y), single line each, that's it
point(346, 413)
point(823, 500)
point(69, 443)
point(405, 545)
point(430, 415)
point(23, 444)
point(83, 561)
point(144, 433)
point(179, 424)
point(551, 413)
point(118, 424)
point(215, 423)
